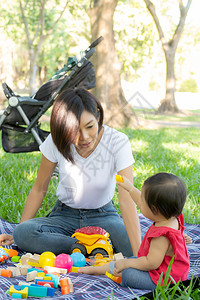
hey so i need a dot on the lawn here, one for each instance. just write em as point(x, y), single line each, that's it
point(174, 150)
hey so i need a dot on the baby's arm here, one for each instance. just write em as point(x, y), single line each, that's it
point(157, 251)
point(133, 191)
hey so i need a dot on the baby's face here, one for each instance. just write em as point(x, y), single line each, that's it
point(146, 211)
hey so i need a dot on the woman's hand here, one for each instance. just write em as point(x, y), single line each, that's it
point(6, 239)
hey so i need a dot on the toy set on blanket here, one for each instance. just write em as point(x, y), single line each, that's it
point(100, 287)
point(43, 271)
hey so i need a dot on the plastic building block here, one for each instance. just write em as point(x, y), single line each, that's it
point(18, 290)
point(74, 269)
point(12, 252)
point(15, 271)
point(24, 269)
point(36, 290)
point(64, 283)
point(57, 270)
point(50, 291)
point(113, 278)
point(31, 276)
point(16, 295)
point(118, 256)
point(46, 283)
point(119, 178)
point(15, 259)
point(6, 273)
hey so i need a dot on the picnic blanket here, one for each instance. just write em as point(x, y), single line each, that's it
point(100, 287)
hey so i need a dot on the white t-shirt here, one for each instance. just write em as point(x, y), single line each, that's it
point(90, 182)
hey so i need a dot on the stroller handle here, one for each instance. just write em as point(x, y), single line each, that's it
point(96, 42)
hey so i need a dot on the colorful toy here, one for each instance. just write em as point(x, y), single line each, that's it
point(63, 261)
point(114, 278)
point(18, 290)
point(12, 252)
point(5, 273)
point(47, 259)
point(100, 261)
point(119, 178)
point(92, 241)
point(64, 283)
point(78, 259)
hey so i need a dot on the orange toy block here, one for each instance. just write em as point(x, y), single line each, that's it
point(12, 253)
point(6, 273)
point(114, 278)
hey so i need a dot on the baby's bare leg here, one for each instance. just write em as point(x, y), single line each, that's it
point(99, 270)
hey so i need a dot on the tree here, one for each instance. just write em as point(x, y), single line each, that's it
point(108, 88)
point(37, 28)
point(169, 47)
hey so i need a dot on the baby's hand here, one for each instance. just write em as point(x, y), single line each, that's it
point(119, 267)
point(6, 239)
point(124, 182)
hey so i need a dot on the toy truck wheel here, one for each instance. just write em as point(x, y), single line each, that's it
point(99, 253)
point(78, 248)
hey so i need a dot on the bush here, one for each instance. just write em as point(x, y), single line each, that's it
point(189, 85)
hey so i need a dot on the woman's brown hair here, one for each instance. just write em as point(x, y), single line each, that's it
point(66, 114)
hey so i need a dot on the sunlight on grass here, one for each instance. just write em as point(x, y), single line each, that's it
point(174, 150)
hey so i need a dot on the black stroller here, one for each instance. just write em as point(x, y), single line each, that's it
point(19, 122)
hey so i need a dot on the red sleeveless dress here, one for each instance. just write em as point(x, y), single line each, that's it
point(181, 264)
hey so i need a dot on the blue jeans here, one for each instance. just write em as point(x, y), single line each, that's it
point(134, 278)
point(53, 233)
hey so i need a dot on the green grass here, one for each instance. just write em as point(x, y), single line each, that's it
point(174, 150)
point(184, 116)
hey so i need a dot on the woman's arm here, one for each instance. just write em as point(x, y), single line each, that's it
point(129, 212)
point(39, 189)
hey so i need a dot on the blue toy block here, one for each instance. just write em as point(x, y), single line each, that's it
point(50, 291)
point(36, 291)
point(15, 295)
point(55, 279)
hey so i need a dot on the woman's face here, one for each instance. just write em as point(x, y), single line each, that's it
point(88, 136)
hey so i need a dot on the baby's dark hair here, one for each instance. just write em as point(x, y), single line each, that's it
point(165, 192)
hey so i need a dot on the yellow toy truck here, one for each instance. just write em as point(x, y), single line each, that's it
point(92, 241)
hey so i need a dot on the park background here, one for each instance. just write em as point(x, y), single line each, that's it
point(38, 36)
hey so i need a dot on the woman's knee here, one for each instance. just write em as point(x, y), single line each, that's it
point(23, 233)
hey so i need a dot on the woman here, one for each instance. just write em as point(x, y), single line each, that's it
point(88, 154)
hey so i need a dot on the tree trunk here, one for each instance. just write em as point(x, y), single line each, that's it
point(108, 89)
point(32, 72)
point(169, 103)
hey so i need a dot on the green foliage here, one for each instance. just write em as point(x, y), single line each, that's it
point(189, 85)
point(134, 32)
point(174, 150)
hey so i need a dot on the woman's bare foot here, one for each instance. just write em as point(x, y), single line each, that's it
point(90, 270)
point(188, 239)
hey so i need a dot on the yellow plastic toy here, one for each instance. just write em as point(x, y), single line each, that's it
point(92, 241)
point(119, 178)
point(47, 259)
point(114, 278)
point(23, 292)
